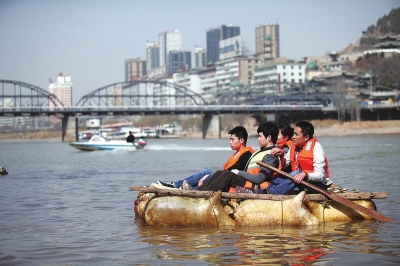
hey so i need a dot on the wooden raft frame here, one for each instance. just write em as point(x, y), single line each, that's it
point(228, 195)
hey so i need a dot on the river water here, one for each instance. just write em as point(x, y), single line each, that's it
point(62, 206)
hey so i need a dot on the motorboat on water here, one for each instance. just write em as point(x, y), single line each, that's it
point(121, 131)
point(3, 171)
point(99, 143)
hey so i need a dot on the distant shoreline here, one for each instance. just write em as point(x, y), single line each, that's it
point(322, 128)
point(334, 128)
point(386, 127)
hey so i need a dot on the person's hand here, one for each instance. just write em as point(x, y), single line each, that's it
point(277, 151)
point(235, 171)
point(201, 180)
point(299, 177)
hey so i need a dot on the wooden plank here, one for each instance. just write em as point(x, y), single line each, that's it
point(206, 194)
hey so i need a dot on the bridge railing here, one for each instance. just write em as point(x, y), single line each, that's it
point(78, 109)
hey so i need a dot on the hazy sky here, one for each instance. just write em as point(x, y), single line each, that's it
point(90, 39)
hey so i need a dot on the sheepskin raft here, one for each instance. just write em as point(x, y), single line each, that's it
point(160, 206)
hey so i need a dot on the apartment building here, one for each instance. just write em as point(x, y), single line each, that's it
point(179, 60)
point(62, 89)
point(200, 57)
point(135, 69)
point(199, 80)
point(267, 41)
point(189, 79)
point(235, 69)
point(279, 75)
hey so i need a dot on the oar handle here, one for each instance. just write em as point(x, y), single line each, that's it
point(282, 173)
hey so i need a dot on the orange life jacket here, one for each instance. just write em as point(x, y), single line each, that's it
point(289, 143)
point(285, 144)
point(305, 158)
point(235, 157)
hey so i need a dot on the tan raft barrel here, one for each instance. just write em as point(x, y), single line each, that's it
point(160, 206)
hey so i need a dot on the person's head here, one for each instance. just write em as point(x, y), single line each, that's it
point(267, 134)
point(238, 137)
point(285, 134)
point(130, 132)
point(303, 132)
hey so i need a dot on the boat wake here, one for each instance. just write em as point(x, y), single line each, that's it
point(173, 147)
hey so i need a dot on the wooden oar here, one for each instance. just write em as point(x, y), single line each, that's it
point(334, 196)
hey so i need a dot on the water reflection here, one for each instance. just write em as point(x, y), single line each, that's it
point(268, 244)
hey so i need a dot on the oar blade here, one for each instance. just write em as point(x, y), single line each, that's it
point(358, 207)
point(334, 196)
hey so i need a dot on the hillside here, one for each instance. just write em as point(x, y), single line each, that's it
point(388, 25)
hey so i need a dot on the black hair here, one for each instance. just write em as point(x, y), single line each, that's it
point(240, 132)
point(286, 130)
point(306, 128)
point(269, 129)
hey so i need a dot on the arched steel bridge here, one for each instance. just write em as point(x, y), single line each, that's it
point(142, 93)
point(160, 97)
point(145, 98)
point(21, 94)
point(17, 94)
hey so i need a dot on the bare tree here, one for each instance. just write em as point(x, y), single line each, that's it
point(339, 98)
point(388, 70)
point(246, 51)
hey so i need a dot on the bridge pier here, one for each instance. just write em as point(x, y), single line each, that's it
point(211, 126)
point(64, 124)
point(76, 128)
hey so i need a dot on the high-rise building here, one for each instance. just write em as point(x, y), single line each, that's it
point(62, 89)
point(169, 41)
point(200, 56)
point(153, 56)
point(179, 60)
point(230, 47)
point(214, 36)
point(134, 69)
point(267, 41)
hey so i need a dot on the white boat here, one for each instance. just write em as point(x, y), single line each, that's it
point(168, 131)
point(123, 132)
point(100, 143)
point(86, 135)
point(150, 133)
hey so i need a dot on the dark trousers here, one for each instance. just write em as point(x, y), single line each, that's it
point(223, 180)
point(283, 185)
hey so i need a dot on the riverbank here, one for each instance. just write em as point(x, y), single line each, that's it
point(334, 128)
point(357, 128)
point(322, 128)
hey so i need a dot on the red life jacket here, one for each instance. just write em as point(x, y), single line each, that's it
point(235, 157)
point(305, 158)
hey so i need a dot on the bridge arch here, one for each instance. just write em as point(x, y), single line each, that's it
point(142, 93)
point(20, 94)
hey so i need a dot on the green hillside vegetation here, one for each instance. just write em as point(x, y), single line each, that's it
point(386, 70)
point(386, 25)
